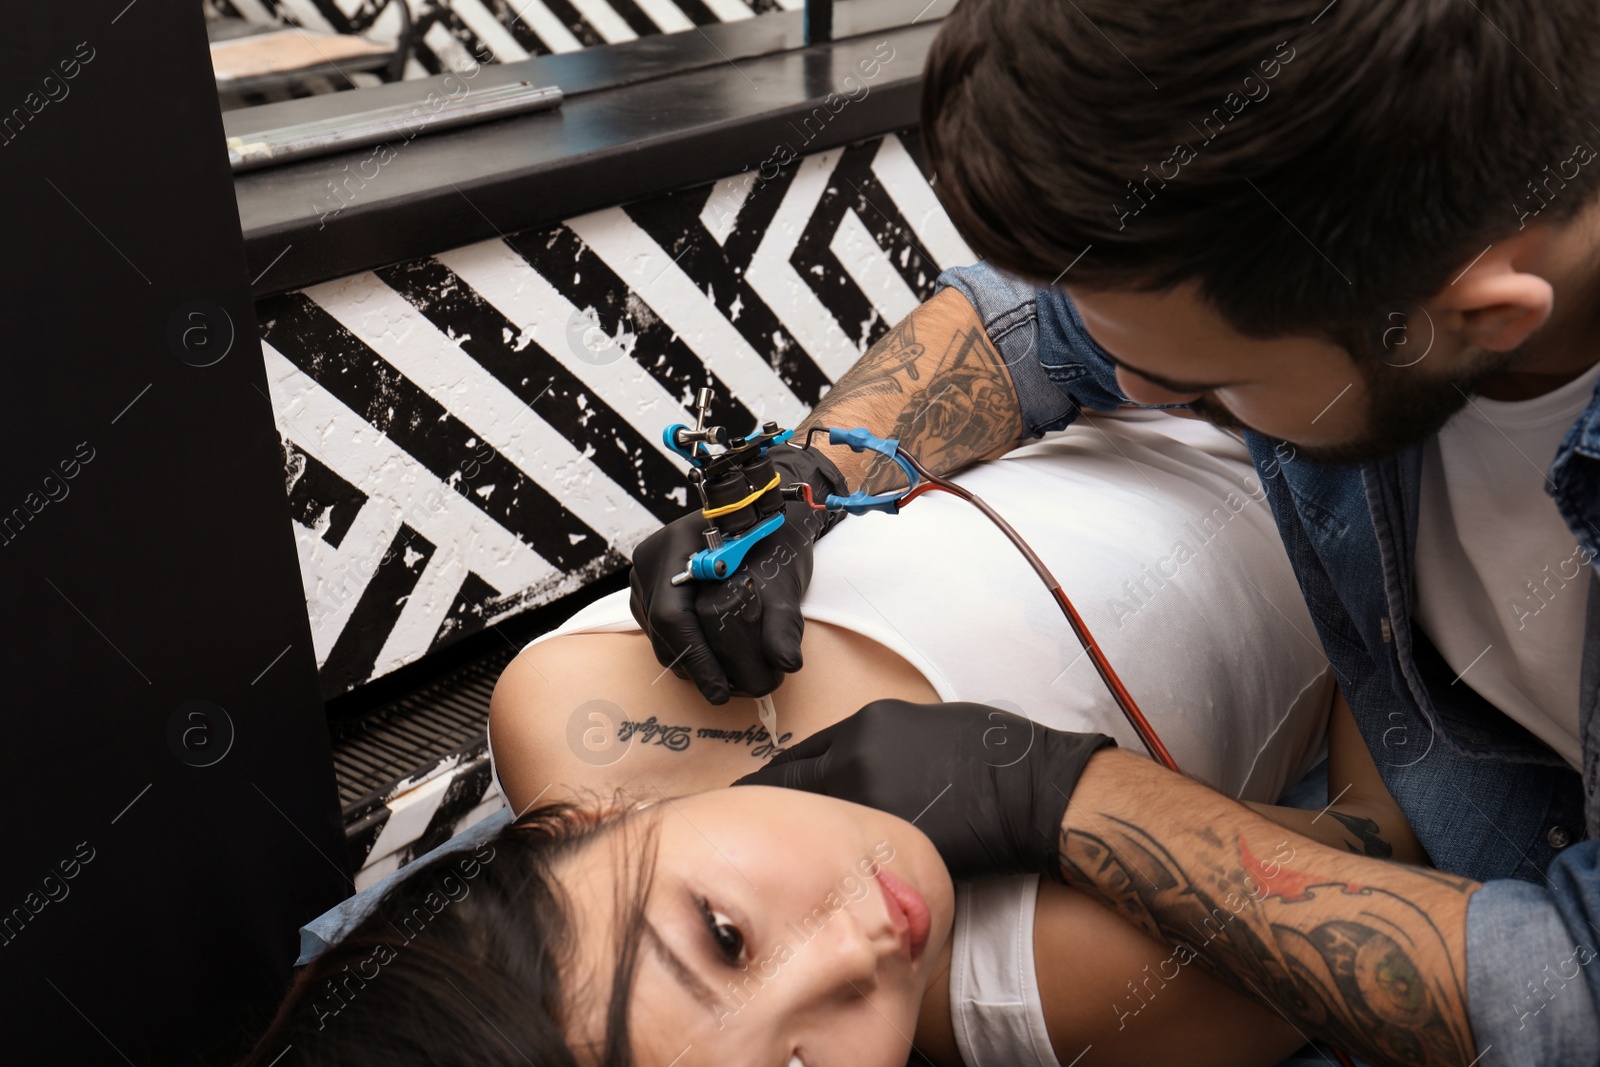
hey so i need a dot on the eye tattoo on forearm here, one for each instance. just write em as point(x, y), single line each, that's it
point(1379, 980)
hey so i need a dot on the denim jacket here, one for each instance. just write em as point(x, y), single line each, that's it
point(1486, 798)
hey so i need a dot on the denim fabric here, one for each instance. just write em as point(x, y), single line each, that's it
point(1526, 961)
point(327, 929)
point(1486, 798)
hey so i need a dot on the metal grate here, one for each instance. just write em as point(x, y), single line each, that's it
point(409, 735)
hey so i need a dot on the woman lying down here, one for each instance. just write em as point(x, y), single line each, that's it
point(640, 912)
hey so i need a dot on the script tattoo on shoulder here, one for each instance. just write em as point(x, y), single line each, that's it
point(958, 410)
point(672, 738)
point(1379, 981)
point(759, 742)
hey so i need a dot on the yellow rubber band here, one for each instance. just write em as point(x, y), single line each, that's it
point(725, 509)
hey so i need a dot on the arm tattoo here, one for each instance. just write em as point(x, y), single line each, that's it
point(1365, 831)
point(1375, 975)
point(948, 410)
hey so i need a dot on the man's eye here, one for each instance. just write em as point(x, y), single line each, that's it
point(725, 935)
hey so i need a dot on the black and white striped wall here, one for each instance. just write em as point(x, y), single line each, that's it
point(477, 432)
point(448, 34)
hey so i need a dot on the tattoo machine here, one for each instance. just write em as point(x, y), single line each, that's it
point(743, 502)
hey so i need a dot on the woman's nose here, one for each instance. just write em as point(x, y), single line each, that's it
point(846, 954)
point(1143, 391)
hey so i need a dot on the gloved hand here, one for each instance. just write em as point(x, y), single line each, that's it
point(740, 634)
point(988, 786)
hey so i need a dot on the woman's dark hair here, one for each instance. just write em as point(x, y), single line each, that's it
point(1309, 164)
point(462, 962)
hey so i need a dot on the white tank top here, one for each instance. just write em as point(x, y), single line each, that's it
point(1160, 534)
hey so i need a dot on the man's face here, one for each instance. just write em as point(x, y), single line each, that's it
point(1173, 348)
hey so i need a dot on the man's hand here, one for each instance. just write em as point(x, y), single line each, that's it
point(738, 635)
point(987, 786)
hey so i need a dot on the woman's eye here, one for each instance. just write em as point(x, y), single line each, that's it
point(725, 935)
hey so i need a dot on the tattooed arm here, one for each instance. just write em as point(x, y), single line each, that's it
point(1366, 954)
point(934, 383)
point(1361, 816)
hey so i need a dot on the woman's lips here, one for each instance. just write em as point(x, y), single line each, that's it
point(908, 912)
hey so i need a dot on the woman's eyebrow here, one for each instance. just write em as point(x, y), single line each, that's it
point(680, 970)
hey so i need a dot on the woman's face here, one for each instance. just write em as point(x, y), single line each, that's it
point(782, 927)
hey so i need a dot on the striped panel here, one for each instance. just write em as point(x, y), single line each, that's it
point(455, 34)
point(477, 432)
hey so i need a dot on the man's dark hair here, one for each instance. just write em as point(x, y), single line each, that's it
point(1341, 158)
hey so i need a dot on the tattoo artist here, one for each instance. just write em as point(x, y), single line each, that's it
point(1365, 235)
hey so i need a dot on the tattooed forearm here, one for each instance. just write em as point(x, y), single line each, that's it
point(936, 384)
point(1368, 955)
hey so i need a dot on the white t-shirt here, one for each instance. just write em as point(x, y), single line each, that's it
point(1159, 533)
point(1502, 584)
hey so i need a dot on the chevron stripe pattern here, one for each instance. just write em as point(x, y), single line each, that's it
point(478, 432)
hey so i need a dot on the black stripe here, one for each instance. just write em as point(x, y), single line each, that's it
point(821, 270)
point(673, 221)
point(585, 280)
point(881, 216)
point(351, 660)
point(761, 204)
point(317, 491)
point(468, 613)
point(554, 393)
point(467, 785)
point(420, 51)
point(698, 13)
point(912, 139)
point(341, 363)
point(636, 19)
point(506, 15)
point(569, 17)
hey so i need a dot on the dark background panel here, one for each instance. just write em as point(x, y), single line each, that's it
point(161, 572)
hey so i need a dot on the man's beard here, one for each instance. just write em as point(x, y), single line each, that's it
point(1405, 407)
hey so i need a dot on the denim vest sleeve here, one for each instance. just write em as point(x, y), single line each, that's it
point(1533, 983)
point(1055, 365)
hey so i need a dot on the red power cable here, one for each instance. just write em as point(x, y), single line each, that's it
point(1119, 692)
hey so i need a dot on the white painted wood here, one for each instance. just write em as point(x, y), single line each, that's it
point(684, 306)
point(917, 203)
point(868, 264)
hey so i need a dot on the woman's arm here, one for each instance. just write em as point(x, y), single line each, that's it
point(1118, 998)
point(1362, 817)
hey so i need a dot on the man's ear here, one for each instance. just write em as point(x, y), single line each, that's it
point(1496, 301)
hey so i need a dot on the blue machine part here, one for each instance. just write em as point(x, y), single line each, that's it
point(859, 502)
point(713, 564)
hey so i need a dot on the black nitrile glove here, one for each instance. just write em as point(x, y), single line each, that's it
point(988, 786)
point(738, 635)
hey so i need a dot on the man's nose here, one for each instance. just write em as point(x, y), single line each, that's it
point(1143, 391)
